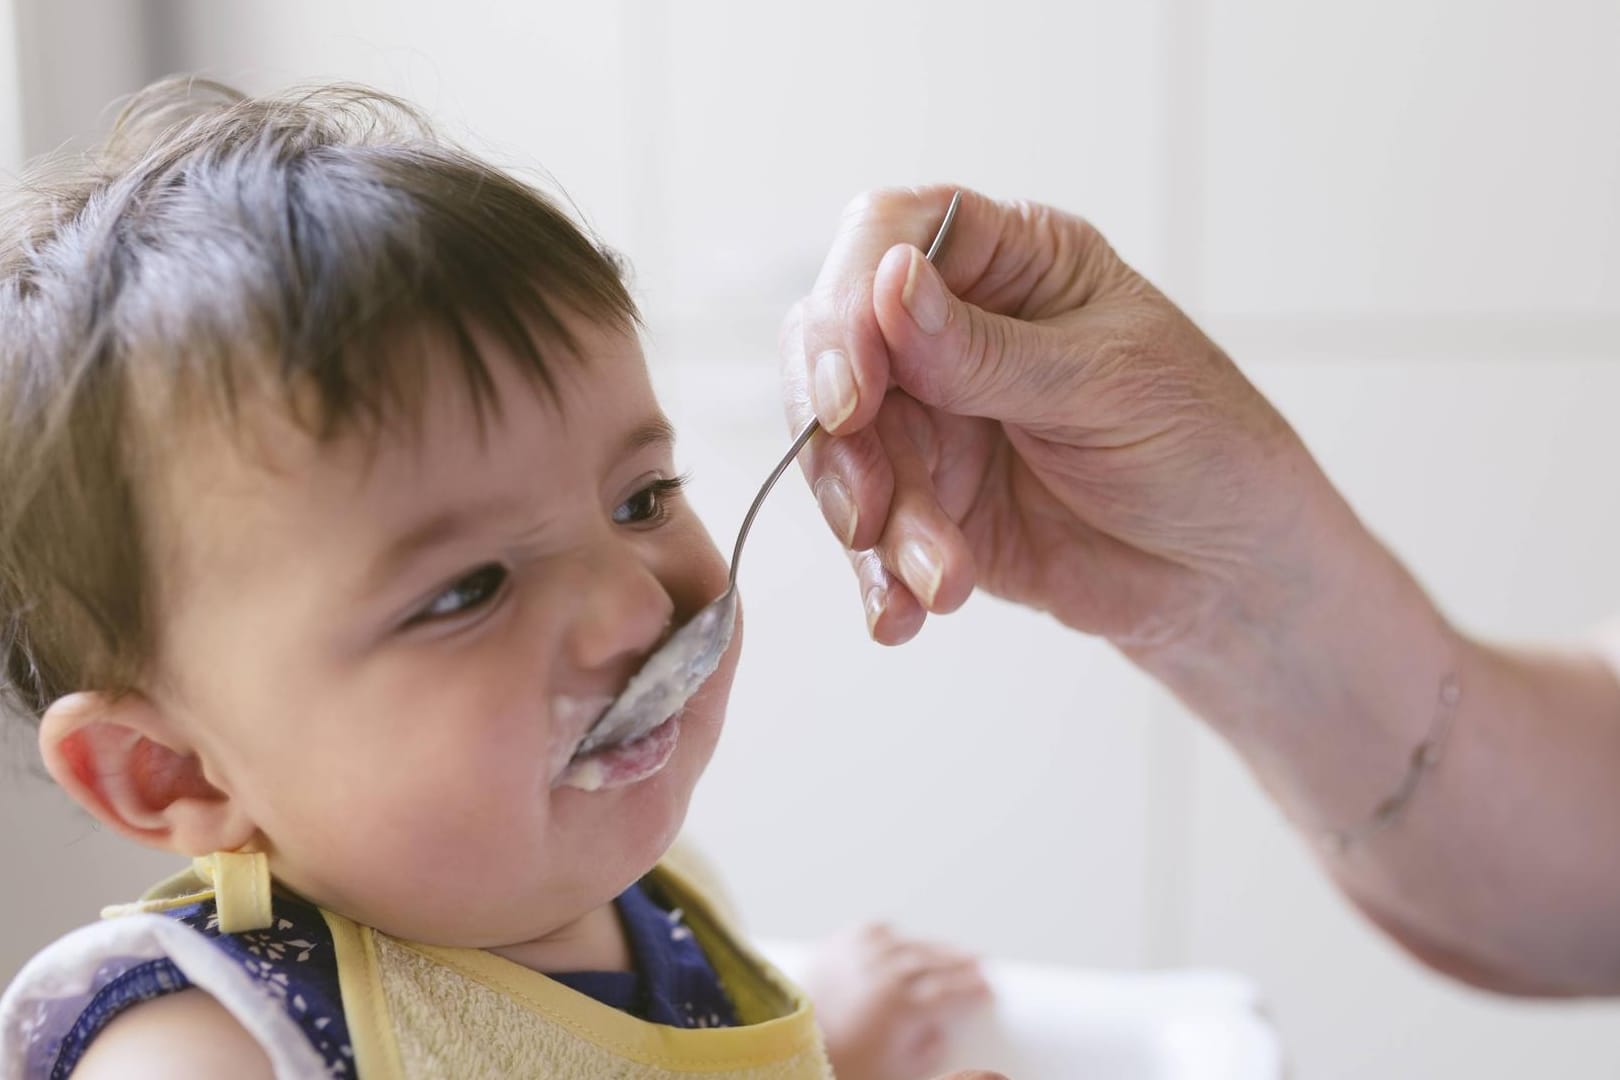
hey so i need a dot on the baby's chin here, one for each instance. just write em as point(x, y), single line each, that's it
point(569, 876)
point(639, 820)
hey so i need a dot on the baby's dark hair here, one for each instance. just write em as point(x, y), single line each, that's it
point(216, 244)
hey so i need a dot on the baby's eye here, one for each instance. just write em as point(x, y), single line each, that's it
point(649, 505)
point(470, 593)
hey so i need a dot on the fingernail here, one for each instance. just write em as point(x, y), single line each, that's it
point(838, 508)
point(924, 296)
point(877, 601)
point(921, 570)
point(833, 388)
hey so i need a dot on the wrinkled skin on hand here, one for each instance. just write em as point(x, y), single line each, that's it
point(1052, 429)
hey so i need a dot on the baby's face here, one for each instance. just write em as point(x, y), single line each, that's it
point(387, 650)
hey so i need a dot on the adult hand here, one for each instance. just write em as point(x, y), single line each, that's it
point(1034, 418)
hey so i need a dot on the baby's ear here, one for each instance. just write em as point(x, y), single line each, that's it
point(123, 760)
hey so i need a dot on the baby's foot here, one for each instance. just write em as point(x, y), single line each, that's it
point(886, 1003)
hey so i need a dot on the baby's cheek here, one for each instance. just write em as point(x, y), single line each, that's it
point(404, 855)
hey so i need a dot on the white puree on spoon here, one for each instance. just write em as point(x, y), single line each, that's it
point(613, 749)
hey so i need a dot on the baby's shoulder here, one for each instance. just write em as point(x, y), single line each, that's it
point(180, 1035)
point(150, 976)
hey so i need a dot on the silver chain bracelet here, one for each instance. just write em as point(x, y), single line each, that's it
point(1425, 756)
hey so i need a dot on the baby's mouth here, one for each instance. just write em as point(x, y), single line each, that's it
point(574, 718)
point(608, 757)
point(668, 678)
point(625, 762)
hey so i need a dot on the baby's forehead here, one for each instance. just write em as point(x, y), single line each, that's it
point(275, 440)
point(268, 467)
point(229, 505)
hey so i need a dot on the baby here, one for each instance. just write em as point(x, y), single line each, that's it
point(335, 507)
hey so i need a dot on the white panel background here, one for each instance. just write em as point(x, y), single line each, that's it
point(1400, 217)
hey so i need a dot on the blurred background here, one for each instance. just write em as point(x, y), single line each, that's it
point(1401, 217)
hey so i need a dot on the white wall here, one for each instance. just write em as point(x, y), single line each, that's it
point(11, 137)
point(1399, 216)
point(73, 57)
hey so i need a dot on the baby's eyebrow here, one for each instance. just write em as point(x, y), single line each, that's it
point(657, 431)
point(426, 534)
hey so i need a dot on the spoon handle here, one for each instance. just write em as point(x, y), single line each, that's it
point(815, 425)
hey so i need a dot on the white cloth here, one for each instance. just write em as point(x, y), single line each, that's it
point(60, 981)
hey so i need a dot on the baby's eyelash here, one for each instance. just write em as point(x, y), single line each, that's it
point(672, 486)
point(658, 491)
point(668, 488)
point(471, 592)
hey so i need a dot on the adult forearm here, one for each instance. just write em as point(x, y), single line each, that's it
point(1503, 867)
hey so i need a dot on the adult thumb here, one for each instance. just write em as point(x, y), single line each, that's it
point(956, 356)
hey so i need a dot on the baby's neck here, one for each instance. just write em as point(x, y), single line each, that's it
point(593, 942)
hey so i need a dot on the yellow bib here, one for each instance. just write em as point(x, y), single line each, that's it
point(417, 1011)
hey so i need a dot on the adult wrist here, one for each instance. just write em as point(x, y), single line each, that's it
point(1248, 619)
point(1327, 675)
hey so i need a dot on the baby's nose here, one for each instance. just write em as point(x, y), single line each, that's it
point(622, 612)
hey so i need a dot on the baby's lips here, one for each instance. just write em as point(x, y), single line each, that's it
point(572, 716)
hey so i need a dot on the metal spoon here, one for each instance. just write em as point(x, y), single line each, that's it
point(672, 674)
